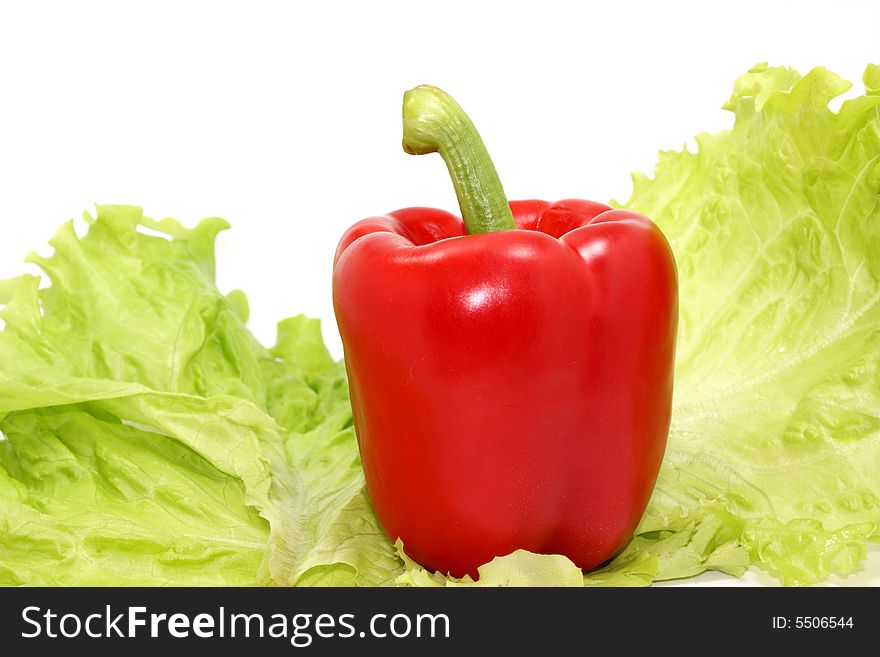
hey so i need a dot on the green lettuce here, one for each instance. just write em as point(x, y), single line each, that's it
point(149, 438)
point(774, 448)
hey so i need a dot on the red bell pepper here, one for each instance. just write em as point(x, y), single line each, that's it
point(511, 372)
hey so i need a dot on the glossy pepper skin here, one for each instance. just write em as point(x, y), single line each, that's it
point(512, 389)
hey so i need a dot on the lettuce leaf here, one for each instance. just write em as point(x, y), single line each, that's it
point(775, 441)
point(149, 438)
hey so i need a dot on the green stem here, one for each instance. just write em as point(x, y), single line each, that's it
point(434, 123)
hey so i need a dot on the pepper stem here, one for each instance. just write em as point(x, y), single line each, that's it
point(434, 123)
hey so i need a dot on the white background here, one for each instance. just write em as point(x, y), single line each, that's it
point(284, 117)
